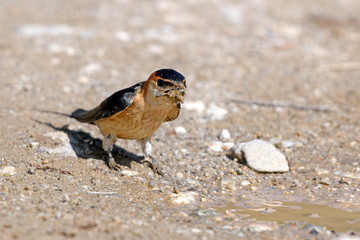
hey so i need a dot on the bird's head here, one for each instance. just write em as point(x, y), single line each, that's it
point(167, 83)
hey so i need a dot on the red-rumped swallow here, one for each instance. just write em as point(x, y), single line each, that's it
point(137, 112)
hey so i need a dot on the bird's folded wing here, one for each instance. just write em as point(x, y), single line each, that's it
point(110, 106)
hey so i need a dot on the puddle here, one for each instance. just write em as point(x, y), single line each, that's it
point(335, 219)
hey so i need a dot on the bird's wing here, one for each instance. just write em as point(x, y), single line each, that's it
point(113, 104)
point(174, 113)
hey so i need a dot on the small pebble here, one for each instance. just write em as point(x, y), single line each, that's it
point(268, 210)
point(314, 215)
point(82, 79)
point(225, 135)
point(91, 68)
point(38, 30)
point(325, 181)
point(180, 131)
point(233, 14)
point(155, 49)
point(333, 160)
point(184, 151)
point(66, 198)
point(183, 197)
point(179, 175)
point(197, 106)
point(31, 170)
point(129, 173)
point(320, 171)
point(195, 230)
point(290, 144)
point(313, 229)
point(7, 171)
point(123, 36)
point(34, 144)
point(260, 227)
point(216, 146)
point(203, 213)
point(245, 183)
point(228, 184)
point(215, 112)
point(66, 89)
point(226, 146)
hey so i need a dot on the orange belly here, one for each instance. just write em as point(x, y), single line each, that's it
point(133, 123)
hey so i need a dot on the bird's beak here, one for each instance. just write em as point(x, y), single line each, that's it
point(178, 94)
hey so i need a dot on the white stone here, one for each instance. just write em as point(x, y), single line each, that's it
point(37, 30)
point(228, 184)
point(290, 31)
point(215, 112)
point(129, 173)
point(70, 51)
point(156, 49)
point(82, 79)
point(179, 175)
point(321, 171)
point(333, 160)
point(91, 68)
point(290, 144)
point(180, 131)
point(260, 227)
point(34, 144)
point(225, 135)
point(228, 145)
point(184, 151)
point(262, 156)
point(245, 183)
point(197, 106)
point(184, 197)
point(216, 146)
point(123, 36)
point(195, 230)
point(234, 14)
point(7, 171)
point(55, 61)
point(55, 48)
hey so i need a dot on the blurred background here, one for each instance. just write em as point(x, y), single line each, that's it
point(287, 72)
point(258, 50)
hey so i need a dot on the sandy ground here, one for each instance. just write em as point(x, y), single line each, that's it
point(300, 58)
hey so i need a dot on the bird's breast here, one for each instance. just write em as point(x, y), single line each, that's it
point(136, 122)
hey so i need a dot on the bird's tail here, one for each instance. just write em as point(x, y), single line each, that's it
point(84, 116)
point(79, 114)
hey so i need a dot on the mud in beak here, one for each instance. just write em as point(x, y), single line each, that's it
point(177, 94)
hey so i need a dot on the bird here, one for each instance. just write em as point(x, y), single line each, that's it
point(137, 112)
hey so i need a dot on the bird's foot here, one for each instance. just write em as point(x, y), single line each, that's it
point(154, 166)
point(112, 164)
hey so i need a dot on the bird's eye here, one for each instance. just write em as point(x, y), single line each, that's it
point(160, 83)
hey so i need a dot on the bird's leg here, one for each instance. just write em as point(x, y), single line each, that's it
point(108, 144)
point(146, 148)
